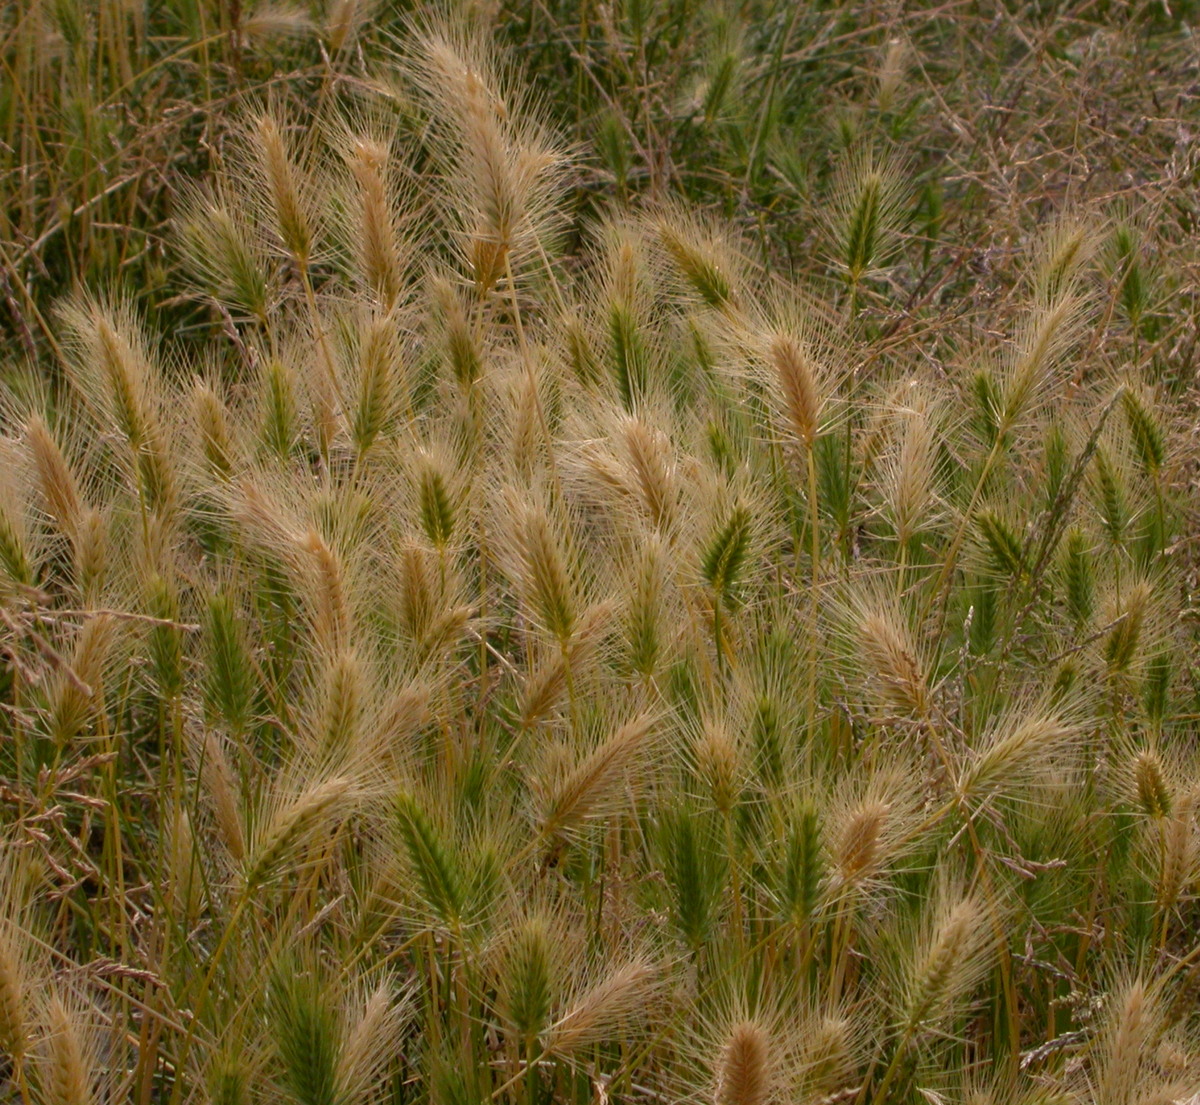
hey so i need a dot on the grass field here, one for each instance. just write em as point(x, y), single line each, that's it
point(598, 553)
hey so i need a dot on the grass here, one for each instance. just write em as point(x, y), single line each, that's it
point(671, 585)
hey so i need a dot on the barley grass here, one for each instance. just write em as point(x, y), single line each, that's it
point(675, 585)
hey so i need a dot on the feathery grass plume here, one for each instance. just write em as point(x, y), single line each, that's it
point(421, 593)
point(1126, 615)
point(988, 405)
point(895, 664)
point(519, 411)
point(579, 348)
point(797, 382)
point(92, 557)
point(440, 499)
point(14, 1029)
point(1133, 1021)
point(604, 1009)
point(893, 67)
point(441, 881)
point(948, 960)
point(1174, 1070)
point(118, 379)
point(717, 756)
point(725, 68)
point(426, 602)
point(983, 615)
point(344, 21)
point(1019, 749)
point(590, 786)
point(17, 556)
point(336, 710)
point(539, 561)
point(1066, 676)
point(230, 689)
point(1127, 260)
point(1156, 687)
point(1110, 496)
point(1078, 578)
point(694, 864)
point(458, 337)
point(405, 648)
point(316, 536)
point(17, 982)
point(556, 674)
point(1003, 546)
point(165, 639)
point(56, 480)
point(392, 721)
point(283, 188)
point(870, 824)
point(503, 170)
point(544, 688)
point(645, 624)
point(724, 556)
point(305, 1032)
point(380, 251)
point(350, 518)
point(1149, 441)
point(373, 1027)
point(745, 1071)
point(227, 1077)
point(1046, 331)
point(828, 1057)
point(1063, 249)
point(908, 468)
point(273, 22)
point(767, 739)
point(294, 821)
point(70, 1055)
point(636, 459)
point(802, 868)
point(329, 597)
point(860, 842)
point(77, 695)
point(529, 977)
point(279, 430)
point(625, 293)
point(1179, 855)
point(1057, 463)
point(866, 212)
point(378, 372)
point(612, 145)
point(222, 251)
point(214, 431)
point(182, 854)
point(1150, 784)
point(217, 775)
point(263, 505)
point(707, 263)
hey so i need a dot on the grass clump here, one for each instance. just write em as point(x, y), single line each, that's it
point(516, 644)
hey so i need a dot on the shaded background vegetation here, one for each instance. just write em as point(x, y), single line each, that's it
point(1003, 112)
